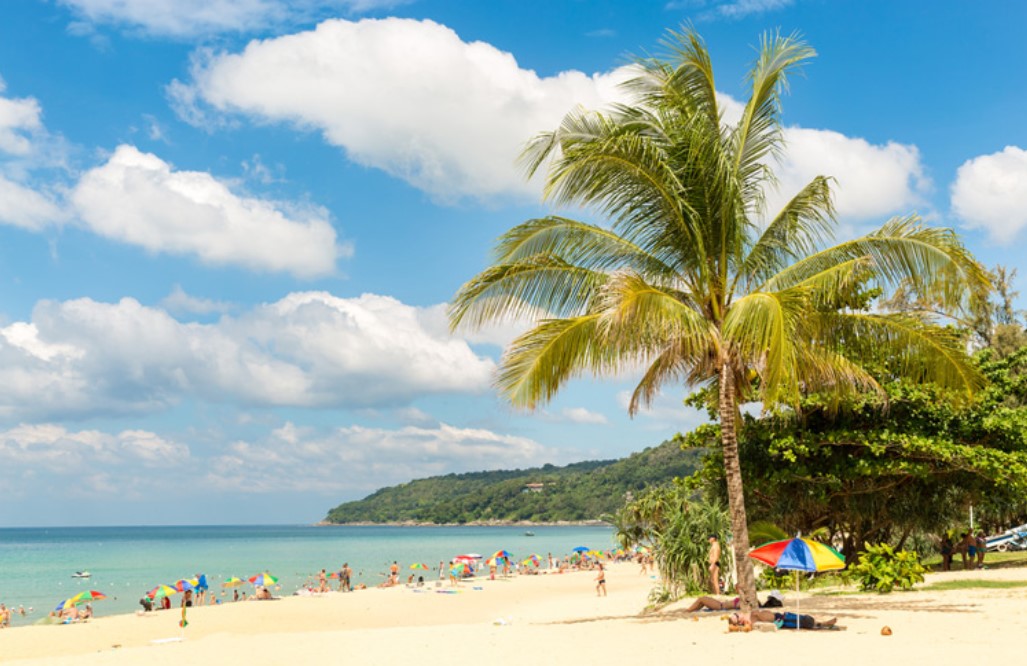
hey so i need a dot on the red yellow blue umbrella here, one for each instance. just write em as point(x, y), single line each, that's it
point(419, 565)
point(161, 591)
point(799, 554)
point(234, 581)
point(264, 579)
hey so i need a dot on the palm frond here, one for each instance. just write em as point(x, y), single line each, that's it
point(802, 226)
point(523, 289)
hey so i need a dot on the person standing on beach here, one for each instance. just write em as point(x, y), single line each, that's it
point(982, 547)
point(601, 581)
point(714, 561)
point(442, 570)
point(394, 573)
point(202, 588)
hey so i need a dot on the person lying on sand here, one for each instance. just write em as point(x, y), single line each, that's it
point(741, 622)
point(714, 604)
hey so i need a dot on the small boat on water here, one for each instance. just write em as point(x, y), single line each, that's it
point(529, 534)
point(81, 574)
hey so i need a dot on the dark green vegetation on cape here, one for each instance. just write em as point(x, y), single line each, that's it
point(578, 492)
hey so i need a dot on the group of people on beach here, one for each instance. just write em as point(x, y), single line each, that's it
point(972, 548)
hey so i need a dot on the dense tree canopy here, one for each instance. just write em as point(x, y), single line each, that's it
point(882, 467)
point(582, 491)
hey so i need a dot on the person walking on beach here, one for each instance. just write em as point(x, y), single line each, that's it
point(201, 588)
point(601, 581)
point(714, 561)
point(982, 547)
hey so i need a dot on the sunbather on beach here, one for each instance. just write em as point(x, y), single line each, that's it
point(741, 622)
point(712, 603)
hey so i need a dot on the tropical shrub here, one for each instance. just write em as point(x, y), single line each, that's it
point(882, 568)
point(676, 529)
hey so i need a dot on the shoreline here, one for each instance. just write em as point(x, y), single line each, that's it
point(549, 618)
point(475, 523)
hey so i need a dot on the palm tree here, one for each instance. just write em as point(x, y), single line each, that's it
point(688, 282)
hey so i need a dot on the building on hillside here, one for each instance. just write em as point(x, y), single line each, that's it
point(533, 487)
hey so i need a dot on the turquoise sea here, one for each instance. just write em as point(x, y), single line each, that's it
point(36, 564)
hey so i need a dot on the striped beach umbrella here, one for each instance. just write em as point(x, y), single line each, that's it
point(161, 591)
point(264, 579)
point(234, 581)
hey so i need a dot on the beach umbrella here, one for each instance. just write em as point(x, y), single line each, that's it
point(264, 579)
point(470, 556)
point(419, 565)
point(67, 603)
point(161, 591)
point(234, 581)
point(182, 584)
point(501, 554)
point(531, 560)
point(87, 596)
point(580, 549)
point(799, 554)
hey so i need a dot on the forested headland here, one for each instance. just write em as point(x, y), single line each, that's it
point(578, 492)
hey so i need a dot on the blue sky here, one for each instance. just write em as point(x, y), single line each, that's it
point(229, 228)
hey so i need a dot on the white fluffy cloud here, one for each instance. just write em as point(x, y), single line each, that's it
point(54, 448)
point(19, 118)
point(138, 198)
point(312, 349)
point(990, 193)
point(408, 97)
point(27, 208)
point(872, 181)
point(363, 459)
point(450, 117)
point(187, 18)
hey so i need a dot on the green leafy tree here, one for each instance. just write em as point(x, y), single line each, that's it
point(885, 467)
point(688, 281)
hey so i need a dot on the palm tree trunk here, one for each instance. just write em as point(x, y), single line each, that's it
point(728, 407)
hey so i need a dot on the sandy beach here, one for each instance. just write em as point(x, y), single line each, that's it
point(546, 619)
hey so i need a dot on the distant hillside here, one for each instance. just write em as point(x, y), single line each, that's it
point(582, 491)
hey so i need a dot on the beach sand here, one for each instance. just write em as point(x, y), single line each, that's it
point(546, 619)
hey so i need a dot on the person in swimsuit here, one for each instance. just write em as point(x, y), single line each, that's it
point(714, 561)
point(601, 581)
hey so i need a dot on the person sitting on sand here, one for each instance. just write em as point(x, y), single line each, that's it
point(741, 622)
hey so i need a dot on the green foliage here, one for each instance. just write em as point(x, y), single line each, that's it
point(886, 469)
point(882, 568)
point(677, 528)
point(582, 491)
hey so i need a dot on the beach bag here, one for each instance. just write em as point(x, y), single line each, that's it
point(793, 621)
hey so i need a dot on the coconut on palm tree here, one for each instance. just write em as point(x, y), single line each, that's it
point(690, 281)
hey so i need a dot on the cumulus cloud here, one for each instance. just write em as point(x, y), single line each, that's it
point(450, 117)
point(19, 118)
point(311, 349)
point(408, 97)
point(139, 199)
point(872, 180)
point(990, 193)
point(54, 448)
point(24, 207)
point(191, 18)
point(357, 458)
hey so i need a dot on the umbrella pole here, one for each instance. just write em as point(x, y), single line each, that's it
point(798, 616)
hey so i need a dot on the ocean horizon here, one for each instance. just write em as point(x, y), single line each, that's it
point(37, 563)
